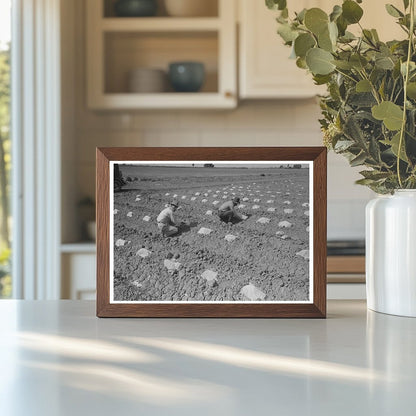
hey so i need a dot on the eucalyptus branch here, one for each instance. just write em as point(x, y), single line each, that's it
point(386, 97)
point(406, 79)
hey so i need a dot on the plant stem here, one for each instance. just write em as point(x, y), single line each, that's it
point(373, 88)
point(346, 75)
point(392, 91)
point(405, 81)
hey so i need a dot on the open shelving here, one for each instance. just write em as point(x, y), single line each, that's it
point(117, 45)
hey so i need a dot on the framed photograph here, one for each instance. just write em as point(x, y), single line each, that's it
point(211, 232)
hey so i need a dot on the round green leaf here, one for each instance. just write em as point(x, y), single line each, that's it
point(301, 15)
point(328, 38)
point(403, 66)
point(316, 20)
point(363, 86)
point(411, 90)
point(303, 43)
point(351, 11)
point(336, 12)
point(301, 63)
point(322, 79)
point(384, 62)
point(344, 65)
point(319, 61)
point(394, 143)
point(342, 25)
point(276, 4)
point(325, 42)
point(333, 32)
point(287, 33)
point(358, 61)
point(391, 114)
point(347, 37)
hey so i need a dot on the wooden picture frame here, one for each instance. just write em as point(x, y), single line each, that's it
point(261, 159)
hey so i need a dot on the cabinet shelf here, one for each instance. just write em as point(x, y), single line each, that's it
point(198, 100)
point(80, 247)
point(160, 24)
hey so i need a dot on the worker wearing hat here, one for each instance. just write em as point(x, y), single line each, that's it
point(227, 212)
point(165, 220)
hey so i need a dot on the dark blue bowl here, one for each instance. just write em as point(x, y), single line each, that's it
point(186, 76)
point(135, 8)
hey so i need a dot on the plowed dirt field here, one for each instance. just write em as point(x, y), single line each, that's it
point(265, 259)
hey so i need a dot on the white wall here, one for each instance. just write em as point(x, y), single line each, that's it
point(254, 123)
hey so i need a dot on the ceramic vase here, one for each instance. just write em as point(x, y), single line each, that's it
point(391, 253)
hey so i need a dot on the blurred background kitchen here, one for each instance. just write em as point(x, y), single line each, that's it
point(186, 73)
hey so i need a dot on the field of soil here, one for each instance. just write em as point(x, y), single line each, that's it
point(263, 258)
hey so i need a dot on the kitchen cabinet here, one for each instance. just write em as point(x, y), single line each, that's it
point(78, 262)
point(265, 70)
point(118, 45)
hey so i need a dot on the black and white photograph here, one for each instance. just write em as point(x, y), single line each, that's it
point(211, 232)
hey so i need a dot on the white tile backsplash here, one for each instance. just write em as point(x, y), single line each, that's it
point(346, 219)
point(170, 138)
point(341, 180)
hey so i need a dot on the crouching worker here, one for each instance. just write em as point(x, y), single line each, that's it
point(166, 222)
point(227, 212)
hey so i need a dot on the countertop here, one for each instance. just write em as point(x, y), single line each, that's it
point(57, 358)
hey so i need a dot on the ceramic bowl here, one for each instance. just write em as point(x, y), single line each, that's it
point(147, 80)
point(135, 8)
point(186, 76)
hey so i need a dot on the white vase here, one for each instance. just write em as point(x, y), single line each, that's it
point(391, 253)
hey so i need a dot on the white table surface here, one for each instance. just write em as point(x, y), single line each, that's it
point(57, 358)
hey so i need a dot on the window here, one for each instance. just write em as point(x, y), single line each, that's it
point(5, 147)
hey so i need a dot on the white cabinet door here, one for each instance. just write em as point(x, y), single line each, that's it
point(78, 276)
point(265, 68)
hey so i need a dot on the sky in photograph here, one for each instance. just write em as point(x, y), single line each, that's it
point(220, 164)
point(5, 20)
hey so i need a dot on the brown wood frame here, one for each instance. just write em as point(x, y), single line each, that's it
point(317, 309)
